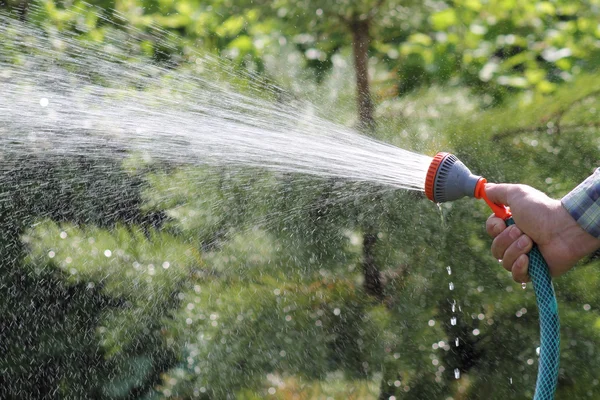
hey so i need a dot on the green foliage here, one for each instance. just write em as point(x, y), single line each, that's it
point(496, 47)
point(305, 329)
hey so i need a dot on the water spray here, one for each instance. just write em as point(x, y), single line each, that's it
point(448, 179)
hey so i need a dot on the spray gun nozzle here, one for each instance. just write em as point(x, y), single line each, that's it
point(448, 179)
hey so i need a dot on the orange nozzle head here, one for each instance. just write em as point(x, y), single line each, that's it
point(432, 172)
point(448, 179)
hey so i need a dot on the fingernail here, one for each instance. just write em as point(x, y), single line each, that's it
point(518, 271)
point(521, 264)
point(523, 242)
point(515, 232)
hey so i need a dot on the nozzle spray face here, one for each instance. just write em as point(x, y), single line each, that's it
point(448, 179)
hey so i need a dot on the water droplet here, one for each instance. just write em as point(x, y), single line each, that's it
point(454, 306)
point(44, 102)
point(337, 311)
point(537, 351)
point(523, 286)
point(63, 235)
point(457, 342)
point(451, 286)
point(166, 265)
point(449, 270)
point(453, 321)
point(510, 380)
point(456, 373)
point(107, 253)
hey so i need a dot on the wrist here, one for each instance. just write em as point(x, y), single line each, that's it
point(569, 231)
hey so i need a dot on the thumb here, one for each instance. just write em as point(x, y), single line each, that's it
point(498, 192)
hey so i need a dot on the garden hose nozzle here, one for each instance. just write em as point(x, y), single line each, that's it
point(448, 179)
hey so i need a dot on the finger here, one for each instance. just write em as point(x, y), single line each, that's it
point(520, 269)
point(494, 226)
point(504, 240)
point(498, 192)
point(519, 247)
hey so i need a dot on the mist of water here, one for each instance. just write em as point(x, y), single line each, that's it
point(63, 97)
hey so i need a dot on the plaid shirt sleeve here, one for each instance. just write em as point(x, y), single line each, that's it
point(583, 203)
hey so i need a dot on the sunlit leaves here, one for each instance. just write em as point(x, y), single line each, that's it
point(442, 20)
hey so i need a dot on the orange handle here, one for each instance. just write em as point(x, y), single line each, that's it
point(500, 210)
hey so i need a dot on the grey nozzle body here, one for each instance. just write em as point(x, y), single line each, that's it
point(453, 180)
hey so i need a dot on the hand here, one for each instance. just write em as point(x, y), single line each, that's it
point(539, 219)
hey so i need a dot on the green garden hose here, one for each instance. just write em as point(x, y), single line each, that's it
point(549, 324)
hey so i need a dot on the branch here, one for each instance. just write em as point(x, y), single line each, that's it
point(560, 113)
point(534, 129)
point(556, 117)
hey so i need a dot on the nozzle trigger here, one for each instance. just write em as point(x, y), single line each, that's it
point(500, 210)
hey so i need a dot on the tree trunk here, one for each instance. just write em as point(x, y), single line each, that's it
point(19, 6)
point(360, 47)
point(373, 284)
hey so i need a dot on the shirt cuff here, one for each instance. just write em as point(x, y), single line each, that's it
point(583, 203)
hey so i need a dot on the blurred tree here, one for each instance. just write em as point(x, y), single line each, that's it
point(50, 314)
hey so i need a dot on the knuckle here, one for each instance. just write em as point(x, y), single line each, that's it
point(520, 189)
point(491, 227)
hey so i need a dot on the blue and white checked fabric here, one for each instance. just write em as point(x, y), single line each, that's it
point(583, 203)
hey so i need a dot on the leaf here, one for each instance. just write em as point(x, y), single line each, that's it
point(242, 43)
point(420, 38)
point(545, 7)
point(443, 19)
point(232, 26)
